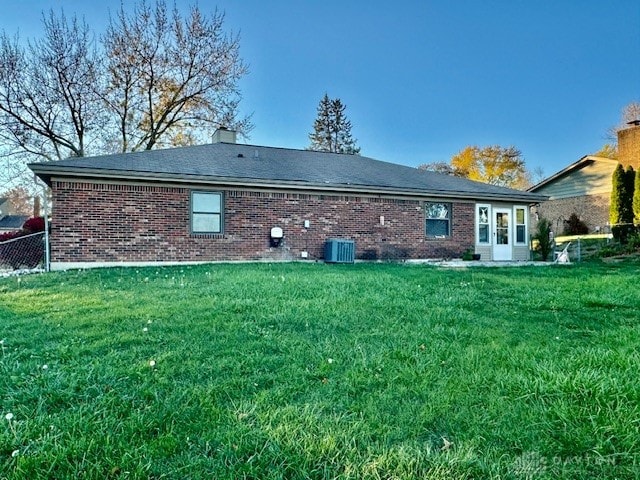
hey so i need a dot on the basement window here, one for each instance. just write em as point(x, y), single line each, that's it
point(438, 224)
point(206, 212)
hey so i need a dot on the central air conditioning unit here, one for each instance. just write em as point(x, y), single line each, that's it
point(339, 251)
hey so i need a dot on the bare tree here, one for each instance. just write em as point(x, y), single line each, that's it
point(21, 199)
point(171, 79)
point(48, 101)
point(629, 113)
point(438, 167)
point(155, 79)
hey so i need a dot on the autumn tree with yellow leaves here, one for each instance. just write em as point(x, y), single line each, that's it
point(496, 165)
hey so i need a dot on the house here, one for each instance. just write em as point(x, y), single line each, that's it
point(9, 221)
point(220, 202)
point(6, 207)
point(584, 187)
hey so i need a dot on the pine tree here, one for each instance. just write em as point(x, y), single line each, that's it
point(321, 136)
point(332, 129)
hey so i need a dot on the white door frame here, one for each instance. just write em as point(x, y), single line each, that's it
point(502, 233)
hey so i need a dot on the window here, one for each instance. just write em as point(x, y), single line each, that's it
point(521, 226)
point(483, 224)
point(206, 212)
point(438, 220)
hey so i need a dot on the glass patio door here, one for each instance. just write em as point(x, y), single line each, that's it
point(502, 234)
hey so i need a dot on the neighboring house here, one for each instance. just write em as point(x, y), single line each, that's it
point(9, 221)
point(6, 207)
point(584, 187)
point(219, 202)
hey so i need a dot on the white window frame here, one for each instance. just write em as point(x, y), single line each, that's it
point(516, 225)
point(212, 212)
point(488, 224)
point(449, 219)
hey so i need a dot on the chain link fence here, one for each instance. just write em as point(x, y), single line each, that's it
point(584, 247)
point(23, 252)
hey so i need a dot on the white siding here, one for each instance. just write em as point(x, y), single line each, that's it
point(521, 253)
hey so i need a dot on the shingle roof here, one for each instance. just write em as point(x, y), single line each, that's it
point(10, 222)
point(239, 164)
point(577, 165)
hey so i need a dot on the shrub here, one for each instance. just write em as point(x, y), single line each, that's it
point(33, 225)
point(575, 226)
point(27, 252)
point(608, 251)
point(622, 232)
point(9, 236)
point(633, 242)
point(543, 238)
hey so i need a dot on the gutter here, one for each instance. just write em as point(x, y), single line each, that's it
point(47, 173)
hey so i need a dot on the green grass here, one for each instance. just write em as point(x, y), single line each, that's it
point(321, 371)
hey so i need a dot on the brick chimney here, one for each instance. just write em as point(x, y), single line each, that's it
point(36, 206)
point(224, 135)
point(629, 145)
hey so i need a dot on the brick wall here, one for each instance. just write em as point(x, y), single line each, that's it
point(629, 147)
point(128, 223)
point(591, 209)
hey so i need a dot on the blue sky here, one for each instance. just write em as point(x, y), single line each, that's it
point(423, 79)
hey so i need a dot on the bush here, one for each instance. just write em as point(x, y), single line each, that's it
point(575, 226)
point(27, 252)
point(543, 237)
point(33, 225)
point(9, 236)
point(633, 242)
point(622, 232)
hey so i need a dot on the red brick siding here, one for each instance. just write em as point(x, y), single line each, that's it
point(128, 223)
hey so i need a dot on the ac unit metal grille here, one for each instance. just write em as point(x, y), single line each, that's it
point(339, 251)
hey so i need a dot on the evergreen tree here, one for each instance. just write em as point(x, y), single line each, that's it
point(617, 195)
point(543, 237)
point(332, 129)
point(636, 199)
point(626, 210)
point(621, 211)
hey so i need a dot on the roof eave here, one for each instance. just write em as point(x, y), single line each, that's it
point(569, 169)
point(46, 171)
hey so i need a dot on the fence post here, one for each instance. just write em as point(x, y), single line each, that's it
point(47, 259)
point(46, 242)
point(579, 250)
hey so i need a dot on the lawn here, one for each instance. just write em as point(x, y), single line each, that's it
point(372, 371)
